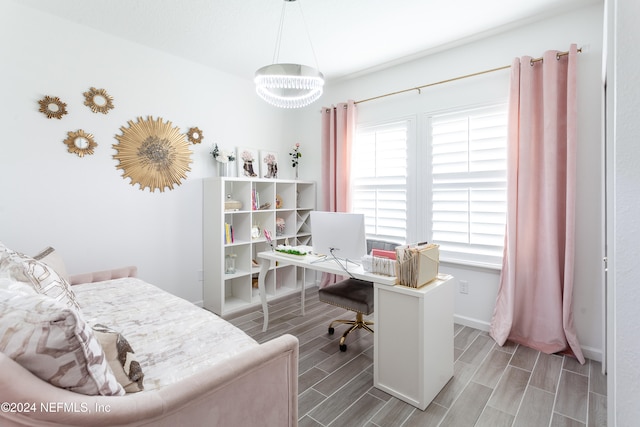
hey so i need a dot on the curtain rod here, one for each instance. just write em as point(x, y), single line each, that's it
point(419, 88)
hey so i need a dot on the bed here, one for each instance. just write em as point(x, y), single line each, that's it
point(197, 369)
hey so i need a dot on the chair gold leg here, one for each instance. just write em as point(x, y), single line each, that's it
point(359, 323)
point(341, 322)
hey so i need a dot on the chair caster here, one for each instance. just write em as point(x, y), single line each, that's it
point(343, 347)
point(331, 331)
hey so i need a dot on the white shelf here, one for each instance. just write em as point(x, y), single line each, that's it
point(235, 303)
point(227, 293)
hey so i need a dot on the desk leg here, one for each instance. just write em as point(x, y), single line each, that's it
point(264, 267)
point(304, 282)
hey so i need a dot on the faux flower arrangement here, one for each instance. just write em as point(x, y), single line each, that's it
point(223, 156)
point(295, 154)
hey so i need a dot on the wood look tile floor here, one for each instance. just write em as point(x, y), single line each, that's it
point(492, 386)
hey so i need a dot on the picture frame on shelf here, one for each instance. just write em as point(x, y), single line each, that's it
point(268, 164)
point(247, 160)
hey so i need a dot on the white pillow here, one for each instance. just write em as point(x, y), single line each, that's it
point(52, 341)
point(53, 259)
point(9, 284)
point(43, 278)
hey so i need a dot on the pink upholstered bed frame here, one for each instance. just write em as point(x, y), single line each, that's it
point(257, 388)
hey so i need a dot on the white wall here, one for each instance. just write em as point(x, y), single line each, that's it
point(623, 74)
point(583, 27)
point(82, 206)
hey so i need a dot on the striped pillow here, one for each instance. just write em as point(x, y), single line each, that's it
point(121, 358)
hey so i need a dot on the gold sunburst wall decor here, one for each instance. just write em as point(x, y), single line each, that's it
point(195, 135)
point(80, 143)
point(52, 107)
point(153, 154)
point(98, 100)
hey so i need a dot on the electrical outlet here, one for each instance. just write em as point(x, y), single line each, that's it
point(200, 274)
point(464, 287)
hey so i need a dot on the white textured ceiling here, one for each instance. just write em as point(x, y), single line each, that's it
point(348, 36)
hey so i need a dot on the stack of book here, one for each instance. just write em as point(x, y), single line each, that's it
point(228, 233)
point(255, 200)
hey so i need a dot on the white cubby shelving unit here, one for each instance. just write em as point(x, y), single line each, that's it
point(225, 293)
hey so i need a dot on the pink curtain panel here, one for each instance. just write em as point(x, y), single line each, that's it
point(534, 302)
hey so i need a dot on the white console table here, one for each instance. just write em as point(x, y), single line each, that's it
point(413, 340)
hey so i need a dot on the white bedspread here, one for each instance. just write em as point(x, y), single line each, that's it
point(172, 338)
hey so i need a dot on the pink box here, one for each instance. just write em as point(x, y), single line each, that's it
point(383, 254)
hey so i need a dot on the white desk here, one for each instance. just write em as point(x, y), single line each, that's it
point(309, 262)
point(413, 339)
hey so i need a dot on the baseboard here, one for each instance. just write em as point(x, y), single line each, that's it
point(592, 353)
point(588, 352)
point(472, 323)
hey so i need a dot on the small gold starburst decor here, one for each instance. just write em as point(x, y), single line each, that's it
point(195, 135)
point(80, 143)
point(52, 107)
point(153, 154)
point(98, 100)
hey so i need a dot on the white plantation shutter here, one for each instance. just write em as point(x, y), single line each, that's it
point(469, 154)
point(379, 179)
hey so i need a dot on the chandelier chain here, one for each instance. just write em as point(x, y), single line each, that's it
point(306, 29)
point(276, 52)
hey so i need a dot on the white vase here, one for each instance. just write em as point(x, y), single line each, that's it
point(223, 169)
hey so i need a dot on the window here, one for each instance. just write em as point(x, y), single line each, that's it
point(468, 177)
point(449, 189)
point(379, 179)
